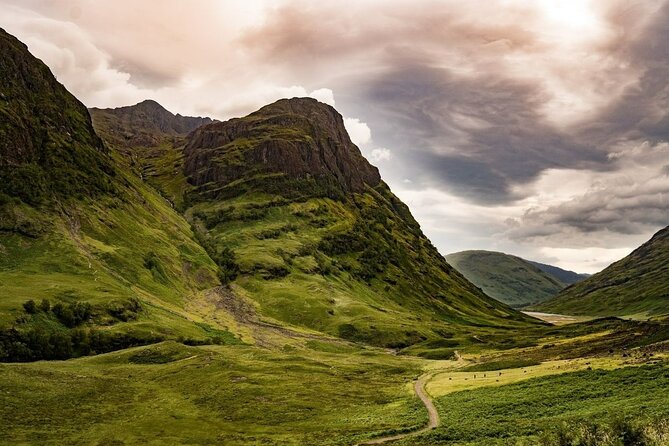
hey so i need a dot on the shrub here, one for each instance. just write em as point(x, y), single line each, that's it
point(620, 432)
point(72, 314)
point(30, 307)
point(227, 264)
point(45, 305)
point(124, 310)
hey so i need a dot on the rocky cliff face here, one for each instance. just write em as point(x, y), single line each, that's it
point(299, 137)
point(143, 125)
point(47, 142)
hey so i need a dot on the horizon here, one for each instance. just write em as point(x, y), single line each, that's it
point(491, 131)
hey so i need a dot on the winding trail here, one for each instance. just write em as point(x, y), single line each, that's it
point(419, 388)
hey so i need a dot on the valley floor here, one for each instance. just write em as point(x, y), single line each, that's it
point(333, 394)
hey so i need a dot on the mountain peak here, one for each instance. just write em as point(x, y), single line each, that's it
point(143, 124)
point(296, 105)
point(301, 138)
point(150, 104)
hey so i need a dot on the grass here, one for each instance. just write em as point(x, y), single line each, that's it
point(518, 412)
point(495, 374)
point(173, 394)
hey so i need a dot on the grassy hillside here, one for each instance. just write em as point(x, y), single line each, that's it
point(92, 259)
point(637, 285)
point(587, 407)
point(507, 278)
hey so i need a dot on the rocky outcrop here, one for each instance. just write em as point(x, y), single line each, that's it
point(299, 137)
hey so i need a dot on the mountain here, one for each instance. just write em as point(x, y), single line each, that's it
point(145, 124)
point(509, 279)
point(151, 139)
point(300, 222)
point(637, 285)
point(91, 258)
point(270, 229)
point(47, 145)
point(565, 276)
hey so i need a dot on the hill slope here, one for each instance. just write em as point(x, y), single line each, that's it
point(107, 260)
point(636, 285)
point(507, 278)
point(286, 203)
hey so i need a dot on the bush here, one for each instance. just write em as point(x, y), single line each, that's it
point(125, 311)
point(227, 264)
point(72, 314)
point(30, 307)
point(45, 305)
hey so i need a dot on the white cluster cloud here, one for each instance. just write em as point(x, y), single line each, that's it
point(381, 154)
point(358, 131)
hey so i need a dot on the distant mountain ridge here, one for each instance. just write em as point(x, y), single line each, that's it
point(565, 276)
point(144, 124)
point(637, 285)
point(509, 279)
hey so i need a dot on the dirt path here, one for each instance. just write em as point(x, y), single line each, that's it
point(419, 388)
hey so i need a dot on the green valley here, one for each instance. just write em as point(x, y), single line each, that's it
point(167, 279)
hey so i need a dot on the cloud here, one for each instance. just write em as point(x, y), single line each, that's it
point(358, 131)
point(381, 154)
point(324, 95)
point(630, 200)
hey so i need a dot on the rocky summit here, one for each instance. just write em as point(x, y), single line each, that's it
point(300, 137)
point(144, 124)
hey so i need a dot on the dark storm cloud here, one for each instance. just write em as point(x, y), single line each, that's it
point(477, 136)
point(641, 112)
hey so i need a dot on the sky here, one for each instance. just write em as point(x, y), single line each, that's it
point(537, 128)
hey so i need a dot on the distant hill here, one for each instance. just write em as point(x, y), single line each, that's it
point(565, 276)
point(507, 278)
point(636, 285)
